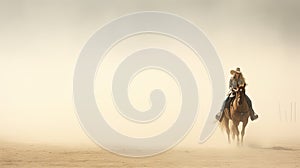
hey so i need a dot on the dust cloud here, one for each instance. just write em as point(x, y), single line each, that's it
point(41, 40)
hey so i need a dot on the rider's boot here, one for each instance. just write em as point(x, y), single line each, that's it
point(253, 116)
point(219, 116)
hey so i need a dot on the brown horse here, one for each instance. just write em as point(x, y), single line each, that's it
point(239, 112)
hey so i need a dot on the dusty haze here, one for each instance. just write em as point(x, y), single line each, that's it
point(41, 40)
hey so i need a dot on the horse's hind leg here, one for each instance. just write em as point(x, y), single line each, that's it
point(243, 130)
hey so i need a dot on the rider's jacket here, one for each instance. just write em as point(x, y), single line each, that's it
point(234, 83)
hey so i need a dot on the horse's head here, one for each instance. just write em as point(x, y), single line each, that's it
point(240, 94)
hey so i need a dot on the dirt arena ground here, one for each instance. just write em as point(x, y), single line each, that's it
point(17, 155)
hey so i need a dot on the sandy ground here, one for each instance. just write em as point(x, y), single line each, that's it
point(17, 155)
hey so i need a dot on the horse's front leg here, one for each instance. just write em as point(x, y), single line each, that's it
point(245, 122)
point(226, 120)
point(237, 132)
point(233, 132)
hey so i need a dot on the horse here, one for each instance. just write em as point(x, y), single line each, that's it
point(239, 112)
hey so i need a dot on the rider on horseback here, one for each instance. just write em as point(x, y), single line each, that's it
point(236, 80)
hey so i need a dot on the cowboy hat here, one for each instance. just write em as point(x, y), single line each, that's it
point(238, 70)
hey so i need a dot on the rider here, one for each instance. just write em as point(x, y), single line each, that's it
point(236, 80)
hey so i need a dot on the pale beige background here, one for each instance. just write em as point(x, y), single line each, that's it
point(40, 42)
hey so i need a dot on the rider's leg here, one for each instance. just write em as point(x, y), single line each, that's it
point(219, 116)
point(253, 116)
point(228, 104)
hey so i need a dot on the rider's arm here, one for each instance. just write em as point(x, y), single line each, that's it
point(241, 82)
point(230, 84)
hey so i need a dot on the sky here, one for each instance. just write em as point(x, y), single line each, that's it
point(41, 41)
